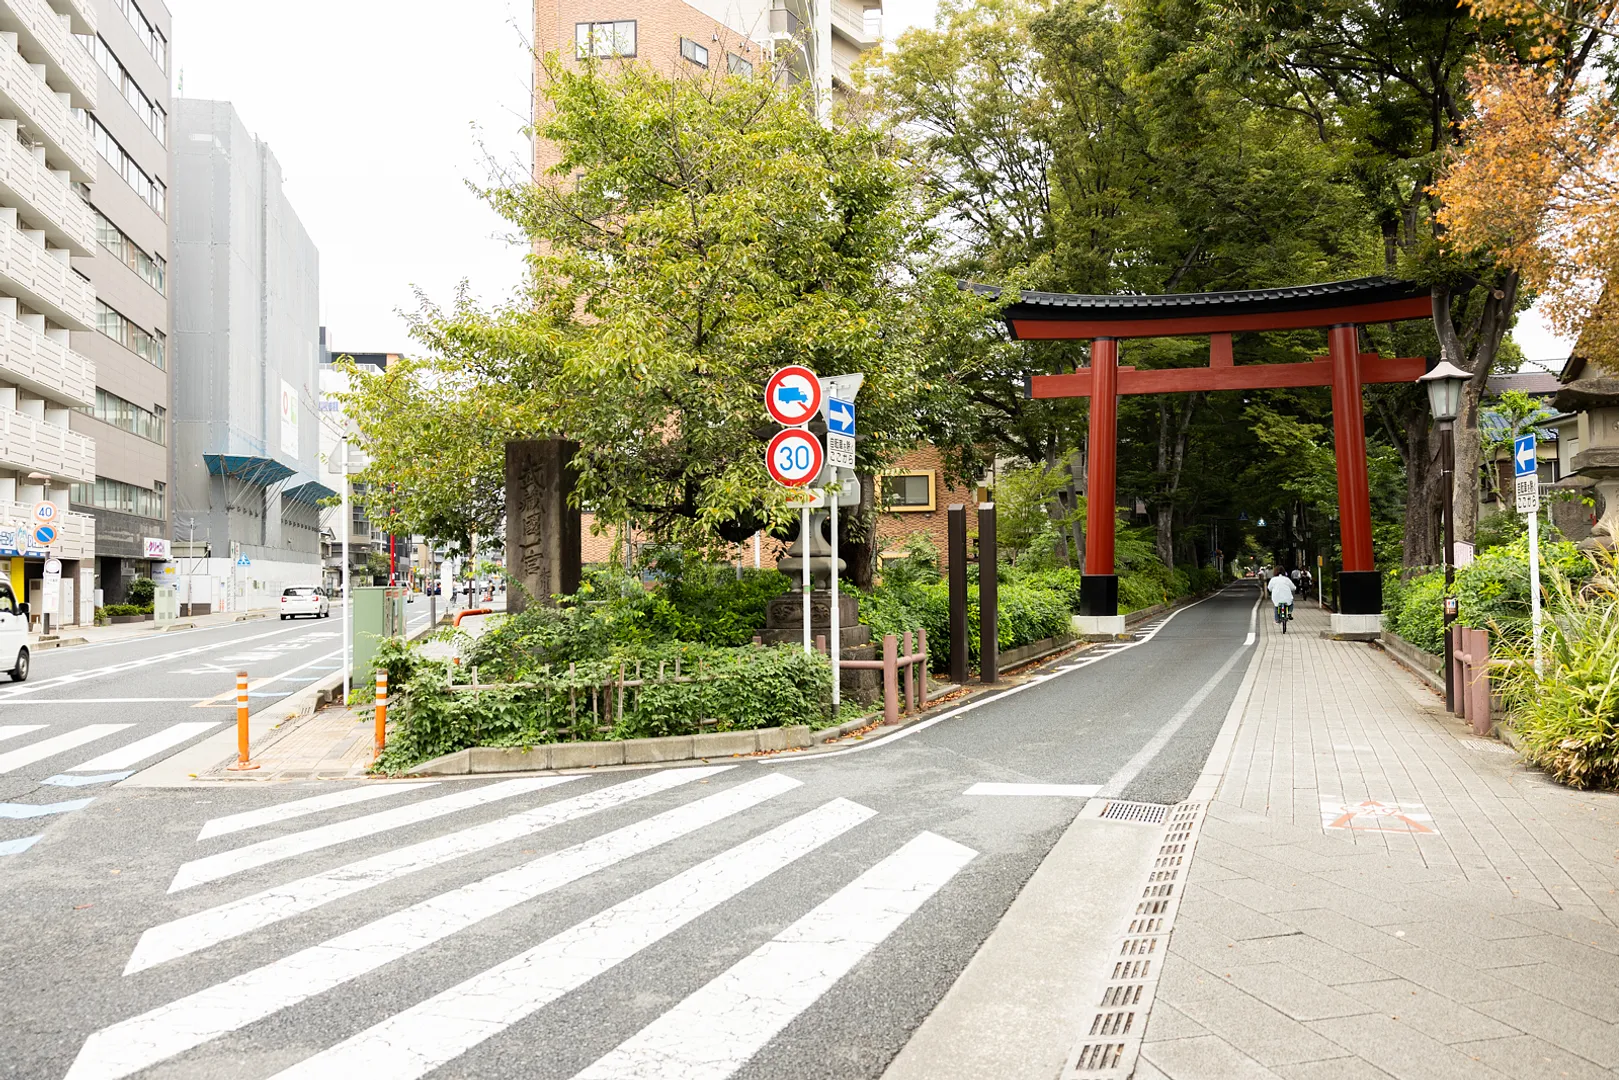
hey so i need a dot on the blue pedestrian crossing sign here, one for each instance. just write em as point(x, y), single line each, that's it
point(840, 416)
point(1523, 455)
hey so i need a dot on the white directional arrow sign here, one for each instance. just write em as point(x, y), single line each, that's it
point(1523, 455)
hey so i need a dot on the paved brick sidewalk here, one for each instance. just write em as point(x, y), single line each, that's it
point(1463, 926)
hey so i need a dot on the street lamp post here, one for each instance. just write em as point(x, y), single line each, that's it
point(1445, 384)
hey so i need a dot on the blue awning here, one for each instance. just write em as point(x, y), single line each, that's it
point(312, 493)
point(254, 470)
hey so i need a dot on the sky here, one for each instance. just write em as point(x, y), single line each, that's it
point(381, 112)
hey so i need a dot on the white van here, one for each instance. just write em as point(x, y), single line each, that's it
point(13, 633)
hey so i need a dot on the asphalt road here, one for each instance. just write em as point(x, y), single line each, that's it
point(782, 918)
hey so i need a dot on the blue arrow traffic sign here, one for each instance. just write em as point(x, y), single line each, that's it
point(1523, 455)
point(840, 416)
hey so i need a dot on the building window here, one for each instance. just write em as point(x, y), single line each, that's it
point(694, 52)
point(147, 346)
point(908, 491)
point(150, 36)
point(112, 409)
point(738, 66)
point(152, 191)
point(604, 40)
point(151, 268)
point(151, 114)
point(106, 494)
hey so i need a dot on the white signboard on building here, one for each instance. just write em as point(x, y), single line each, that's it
point(289, 419)
point(156, 547)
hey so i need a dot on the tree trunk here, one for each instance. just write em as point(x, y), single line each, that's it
point(1423, 524)
point(1076, 488)
point(1474, 350)
point(858, 545)
point(1171, 460)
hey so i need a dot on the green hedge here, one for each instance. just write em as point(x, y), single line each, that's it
point(741, 688)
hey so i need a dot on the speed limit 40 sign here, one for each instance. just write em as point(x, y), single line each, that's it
point(794, 457)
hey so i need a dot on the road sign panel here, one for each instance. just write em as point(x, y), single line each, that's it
point(1528, 494)
point(45, 535)
point(793, 395)
point(840, 416)
point(840, 450)
point(46, 512)
point(794, 457)
point(1523, 455)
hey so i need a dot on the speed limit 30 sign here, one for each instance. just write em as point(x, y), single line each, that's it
point(794, 457)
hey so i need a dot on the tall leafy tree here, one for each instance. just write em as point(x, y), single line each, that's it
point(696, 234)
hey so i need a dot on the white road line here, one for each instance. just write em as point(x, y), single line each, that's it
point(11, 731)
point(716, 1030)
point(1253, 622)
point(422, 1038)
point(905, 733)
point(9, 693)
point(94, 700)
point(297, 808)
point(17, 847)
point(1131, 769)
point(1066, 791)
point(207, 928)
point(138, 751)
point(27, 755)
point(131, 1045)
point(268, 680)
point(31, 810)
point(234, 861)
point(85, 781)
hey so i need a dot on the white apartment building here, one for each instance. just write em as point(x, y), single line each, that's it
point(48, 83)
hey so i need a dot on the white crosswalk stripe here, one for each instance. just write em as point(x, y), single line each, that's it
point(236, 860)
point(297, 808)
point(709, 1035)
point(12, 731)
point(131, 1045)
point(445, 1026)
point(134, 753)
point(70, 740)
point(715, 1031)
point(207, 928)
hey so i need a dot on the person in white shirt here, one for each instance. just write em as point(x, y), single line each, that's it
point(1281, 591)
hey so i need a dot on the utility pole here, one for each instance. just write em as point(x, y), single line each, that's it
point(348, 600)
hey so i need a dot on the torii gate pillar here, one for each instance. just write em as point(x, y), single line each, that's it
point(1360, 588)
point(1099, 588)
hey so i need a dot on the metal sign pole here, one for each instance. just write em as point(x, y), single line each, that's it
point(348, 600)
point(1534, 584)
point(837, 644)
point(804, 575)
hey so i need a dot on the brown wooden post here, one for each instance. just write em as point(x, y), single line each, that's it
point(989, 653)
point(1478, 690)
point(956, 550)
point(910, 676)
point(922, 647)
point(1458, 638)
point(890, 679)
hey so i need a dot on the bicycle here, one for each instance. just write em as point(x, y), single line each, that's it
point(1284, 615)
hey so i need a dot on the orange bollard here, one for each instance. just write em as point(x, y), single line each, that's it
point(241, 764)
point(382, 713)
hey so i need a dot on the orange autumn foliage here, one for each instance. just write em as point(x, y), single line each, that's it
point(1536, 182)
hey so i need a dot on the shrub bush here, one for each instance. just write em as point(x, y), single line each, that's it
point(125, 609)
point(1568, 718)
point(140, 592)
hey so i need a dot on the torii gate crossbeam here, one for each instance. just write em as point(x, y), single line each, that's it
point(1339, 307)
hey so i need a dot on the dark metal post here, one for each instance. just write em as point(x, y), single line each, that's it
point(988, 596)
point(956, 551)
point(1447, 468)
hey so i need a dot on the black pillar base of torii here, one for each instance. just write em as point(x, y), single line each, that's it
point(1338, 307)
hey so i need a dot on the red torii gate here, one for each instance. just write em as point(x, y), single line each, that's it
point(1339, 306)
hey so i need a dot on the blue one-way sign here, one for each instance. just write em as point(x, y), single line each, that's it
point(1523, 455)
point(840, 416)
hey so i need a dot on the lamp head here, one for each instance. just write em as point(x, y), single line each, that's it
point(1445, 384)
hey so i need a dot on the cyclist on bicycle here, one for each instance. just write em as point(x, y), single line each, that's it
point(1281, 595)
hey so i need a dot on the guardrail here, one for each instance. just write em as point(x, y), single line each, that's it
point(1470, 672)
point(914, 661)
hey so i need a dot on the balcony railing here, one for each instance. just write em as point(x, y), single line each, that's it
point(29, 184)
point(49, 34)
point(29, 445)
point(43, 111)
point(76, 532)
point(784, 23)
point(851, 19)
point(46, 367)
point(83, 15)
point(47, 283)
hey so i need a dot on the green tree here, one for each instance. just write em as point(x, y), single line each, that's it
point(697, 233)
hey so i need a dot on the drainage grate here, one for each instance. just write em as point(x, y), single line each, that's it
point(1146, 813)
point(1108, 1050)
